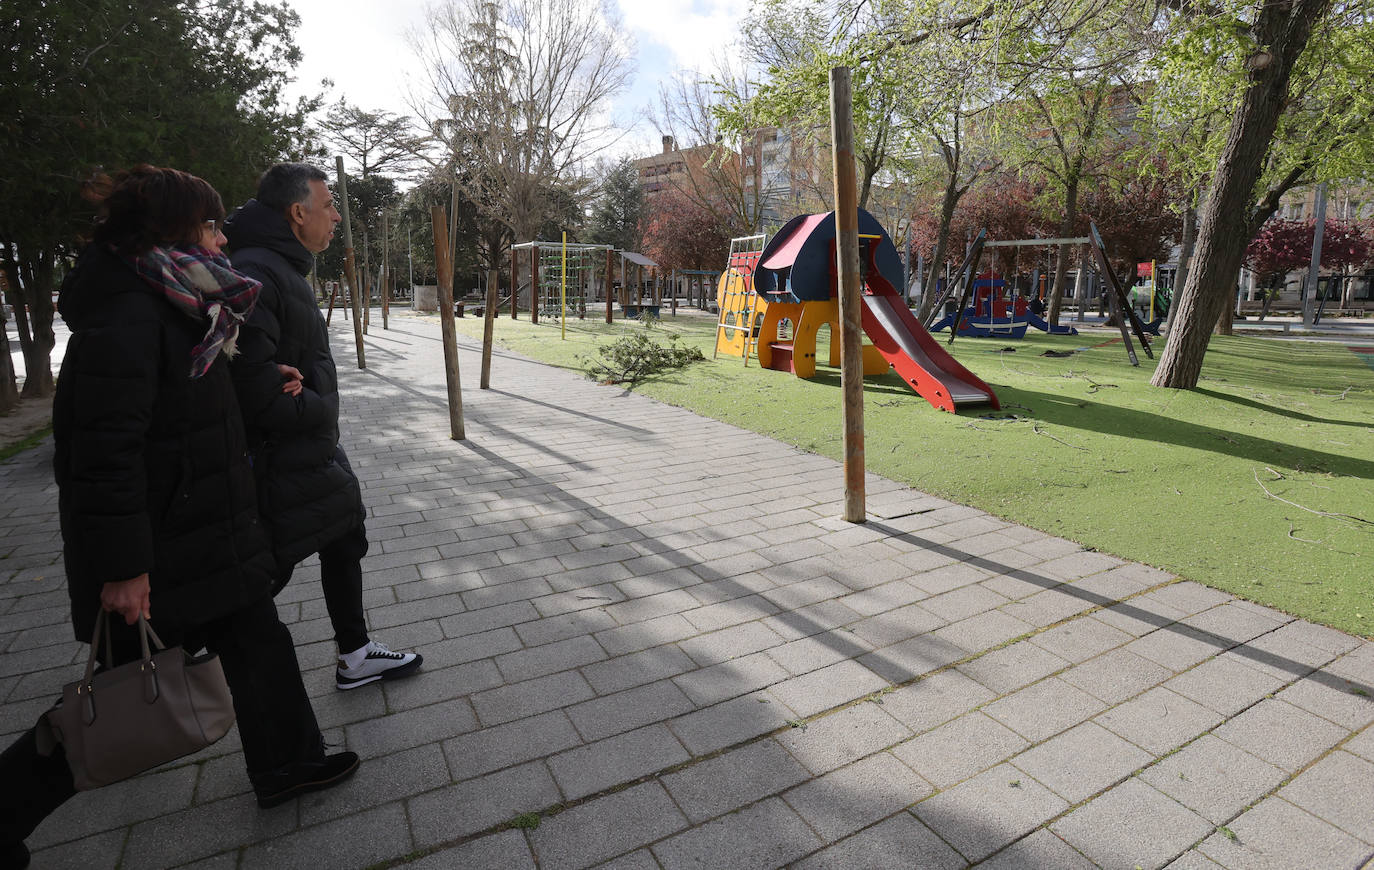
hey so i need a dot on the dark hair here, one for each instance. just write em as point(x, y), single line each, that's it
point(148, 206)
point(286, 184)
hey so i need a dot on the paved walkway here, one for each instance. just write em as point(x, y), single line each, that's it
point(650, 642)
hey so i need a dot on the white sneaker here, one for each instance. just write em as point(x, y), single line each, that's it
point(379, 664)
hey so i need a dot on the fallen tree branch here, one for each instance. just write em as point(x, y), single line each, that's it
point(1038, 431)
point(1328, 514)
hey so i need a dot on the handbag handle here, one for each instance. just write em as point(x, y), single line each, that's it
point(148, 667)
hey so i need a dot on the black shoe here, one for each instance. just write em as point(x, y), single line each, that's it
point(280, 786)
point(14, 857)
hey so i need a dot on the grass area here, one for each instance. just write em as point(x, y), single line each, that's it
point(1257, 482)
point(19, 446)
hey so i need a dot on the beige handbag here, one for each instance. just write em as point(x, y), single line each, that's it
point(125, 720)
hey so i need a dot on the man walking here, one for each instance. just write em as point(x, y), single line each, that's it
point(288, 391)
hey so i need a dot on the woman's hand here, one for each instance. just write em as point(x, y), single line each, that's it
point(128, 598)
point(291, 379)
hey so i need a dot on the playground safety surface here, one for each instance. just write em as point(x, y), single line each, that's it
point(650, 642)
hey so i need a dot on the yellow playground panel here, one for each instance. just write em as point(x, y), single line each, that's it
point(740, 309)
point(806, 319)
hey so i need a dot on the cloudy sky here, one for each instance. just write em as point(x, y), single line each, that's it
point(362, 46)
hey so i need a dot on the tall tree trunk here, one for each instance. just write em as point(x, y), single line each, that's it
point(1061, 260)
point(9, 387)
point(937, 259)
point(1185, 259)
point(37, 290)
point(1283, 27)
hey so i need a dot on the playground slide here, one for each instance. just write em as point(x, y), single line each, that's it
point(914, 354)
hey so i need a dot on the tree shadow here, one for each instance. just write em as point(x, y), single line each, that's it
point(1275, 409)
point(1080, 413)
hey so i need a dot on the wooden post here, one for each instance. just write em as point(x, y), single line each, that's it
point(348, 260)
point(514, 283)
point(672, 288)
point(533, 283)
point(489, 326)
point(386, 274)
point(610, 270)
point(444, 266)
point(847, 265)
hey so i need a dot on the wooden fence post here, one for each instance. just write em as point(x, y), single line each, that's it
point(349, 272)
point(847, 266)
point(444, 267)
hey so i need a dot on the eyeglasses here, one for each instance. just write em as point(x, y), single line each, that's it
point(214, 225)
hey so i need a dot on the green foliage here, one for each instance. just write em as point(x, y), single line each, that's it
point(619, 208)
point(633, 358)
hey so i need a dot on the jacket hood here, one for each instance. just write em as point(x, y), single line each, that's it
point(98, 274)
point(254, 225)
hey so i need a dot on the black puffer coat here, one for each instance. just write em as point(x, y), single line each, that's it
point(151, 465)
point(307, 491)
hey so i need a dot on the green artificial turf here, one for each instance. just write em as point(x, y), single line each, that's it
point(1086, 449)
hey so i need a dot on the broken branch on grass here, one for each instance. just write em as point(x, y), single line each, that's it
point(1291, 528)
point(1328, 514)
point(1038, 431)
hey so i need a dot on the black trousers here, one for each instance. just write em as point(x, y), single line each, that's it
point(275, 720)
point(341, 577)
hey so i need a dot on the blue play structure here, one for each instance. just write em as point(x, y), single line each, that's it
point(992, 315)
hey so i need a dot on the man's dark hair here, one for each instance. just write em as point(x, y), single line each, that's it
point(286, 184)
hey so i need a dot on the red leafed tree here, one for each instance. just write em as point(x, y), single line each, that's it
point(1284, 246)
point(1135, 214)
point(1002, 204)
point(679, 233)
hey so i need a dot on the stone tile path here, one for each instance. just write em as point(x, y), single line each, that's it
point(650, 643)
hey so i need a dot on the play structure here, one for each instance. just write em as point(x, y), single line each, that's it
point(1117, 301)
point(566, 279)
point(993, 314)
point(788, 289)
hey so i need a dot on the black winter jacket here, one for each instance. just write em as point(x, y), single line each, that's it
point(151, 465)
point(308, 495)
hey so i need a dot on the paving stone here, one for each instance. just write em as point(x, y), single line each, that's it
point(843, 801)
point(1275, 835)
point(1116, 675)
point(642, 635)
point(729, 643)
point(1213, 778)
point(469, 807)
point(812, 620)
point(1040, 849)
point(1281, 734)
point(1140, 615)
point(959, 749)
point(915, 657)
point(494, 748)
point(97, 852)
point(504, 851)
point(828, 687)
point(201, 831)
point(981, 815)
point(1224, 684)
point(1044, 709)
point(119, 805)
point(563, 626)
point(730, 679)
point(636, 669)
point(379, 780)
point(1193, 860)
point(411, 728)
point(843, 737)
point(766, 835)
point(539, 661)
point(817, 651)
point(627, 710)
point(1236, 623)
point(948, 577)
point(606, 827)
point(1082, 761)
point(518, 700)
point(1076, 565)
point(1012, 667)
point(1338, 789)
point(730, 723)
point(727, 782)
point(1177, 647)
point(1050, 606)
point(589, 769)
point(1159, 720)
point(963, 603)
point(897, 625)
point(434, 684)
point(984, 631)
point(1132, 825)
point(934, 700)
point(1342, 701)
point(900, 841)
point(1362, 744)
point(652, 606)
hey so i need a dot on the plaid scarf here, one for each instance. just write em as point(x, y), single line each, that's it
point(202, 285)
